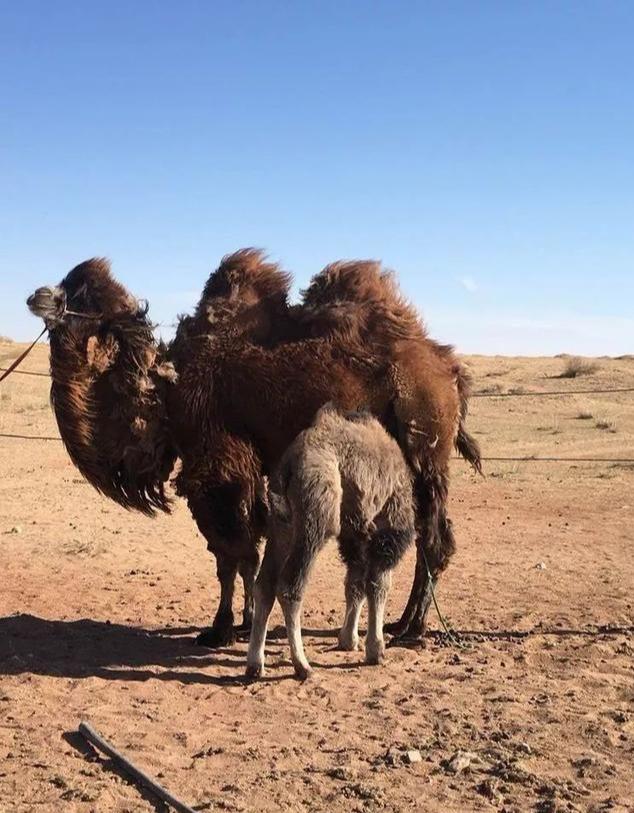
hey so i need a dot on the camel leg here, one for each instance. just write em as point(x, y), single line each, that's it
point(355, 596)
point(438, 555)
point(418, 624)
point(290, 594)
point(248, 570)
point(264, 597)
point(377, 588)
point(221, 633)
point(292, 609)
point(419, 587)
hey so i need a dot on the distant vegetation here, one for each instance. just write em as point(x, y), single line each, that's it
point(576, 366)
point(605, 424)
point(5, 340)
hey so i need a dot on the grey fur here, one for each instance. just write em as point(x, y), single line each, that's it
point(343, 478)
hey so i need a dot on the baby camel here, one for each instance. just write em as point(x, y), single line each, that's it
point(343, 478)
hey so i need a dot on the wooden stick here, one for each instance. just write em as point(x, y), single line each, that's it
point(103, 745)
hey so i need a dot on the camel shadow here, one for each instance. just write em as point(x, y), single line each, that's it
point(87, 648)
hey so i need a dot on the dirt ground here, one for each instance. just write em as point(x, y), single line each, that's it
point(99, 608)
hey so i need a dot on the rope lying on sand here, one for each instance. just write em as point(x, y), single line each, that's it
point(479, 636)
point(123, 762)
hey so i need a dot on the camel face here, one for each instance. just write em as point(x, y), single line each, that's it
point(88, 292)
point(49, 303)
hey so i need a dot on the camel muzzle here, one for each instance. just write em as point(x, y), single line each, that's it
point(49, 303)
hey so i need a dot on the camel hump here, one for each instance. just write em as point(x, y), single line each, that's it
point(246, 275)
point(347, 281)
point(359, 298)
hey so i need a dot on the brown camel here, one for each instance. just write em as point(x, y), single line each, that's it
point(242, 378)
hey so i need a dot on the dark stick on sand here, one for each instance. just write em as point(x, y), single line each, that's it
point(123, 762)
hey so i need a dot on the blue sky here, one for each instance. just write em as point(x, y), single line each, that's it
point(484, 150)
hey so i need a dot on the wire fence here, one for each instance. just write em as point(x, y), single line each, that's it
point(24, 372)
point(481, 394)
point(524, 394)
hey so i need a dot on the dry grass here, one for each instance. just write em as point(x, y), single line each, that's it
point(577, 366)
point(552, 428)
point(608, 426)
point(584, 416)
point(491, 389)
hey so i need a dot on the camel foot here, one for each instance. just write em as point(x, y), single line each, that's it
point(254, 671)
point(347, 642)
point(244, 627)
point(374, 653)
point(216, 637)
point(394, 628)
point(303, 672)
point(410, 639)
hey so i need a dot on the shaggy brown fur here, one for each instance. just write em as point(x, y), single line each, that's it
point(344, 478)
point(246, 296)
point(355, 341)
point(252, 374)
point(108, 379)
point(358, 303)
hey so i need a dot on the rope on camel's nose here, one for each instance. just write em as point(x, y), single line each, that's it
point(49, 310)
point(53, 308)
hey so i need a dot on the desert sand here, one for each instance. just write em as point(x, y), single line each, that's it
point(99, 609)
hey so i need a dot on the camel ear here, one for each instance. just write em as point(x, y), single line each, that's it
point(101, 353)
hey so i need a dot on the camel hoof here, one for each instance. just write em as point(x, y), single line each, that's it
point(244, 628)
point(408, 641)
point(216, 637)
point(348, 644)
point(394, 628)
point(303, 672)
point(254, 671)
point(375, 655)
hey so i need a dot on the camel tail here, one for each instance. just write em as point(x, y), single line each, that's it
point(466, 445)
point(469, 448)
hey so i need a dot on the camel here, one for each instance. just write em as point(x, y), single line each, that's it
point(244, 375)
point(344, 478)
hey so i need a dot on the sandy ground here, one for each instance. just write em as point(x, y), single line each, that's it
point(99, 607)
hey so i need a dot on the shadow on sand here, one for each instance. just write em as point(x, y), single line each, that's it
point(86, 648)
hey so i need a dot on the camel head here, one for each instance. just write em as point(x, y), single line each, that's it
point(109, 381)
point(88, 292)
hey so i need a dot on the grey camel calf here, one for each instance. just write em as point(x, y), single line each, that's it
point(344, 478)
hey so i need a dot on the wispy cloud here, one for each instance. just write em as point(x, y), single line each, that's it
point(469, 284)
point(522, 334)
